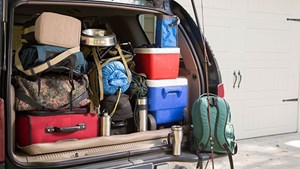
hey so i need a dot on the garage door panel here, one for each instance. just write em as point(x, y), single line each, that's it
point(263, 121)
point(219, 4)
point(259, 119)
point(221, 36)
point(265, 79)
point(219, 32)
point(269, 6)
point(263, 47)
point(267, 40)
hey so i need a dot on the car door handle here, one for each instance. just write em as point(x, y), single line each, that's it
point(290, 100)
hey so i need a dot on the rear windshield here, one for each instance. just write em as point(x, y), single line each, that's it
point(145, 3)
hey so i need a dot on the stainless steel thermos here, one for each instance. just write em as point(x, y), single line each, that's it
point(105, 125)
point(175, 138)
point(142, 107)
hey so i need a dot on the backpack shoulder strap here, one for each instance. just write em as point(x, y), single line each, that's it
point(199, 116)
point(222, 121)
point(42, 67)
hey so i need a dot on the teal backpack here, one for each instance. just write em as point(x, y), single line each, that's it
point(221, 128)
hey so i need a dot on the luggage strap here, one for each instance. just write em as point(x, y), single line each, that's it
point(100, 66)
point(99, 70)
point(22, 96)
point(44, 66)
point(29, 29)
point(124, 62)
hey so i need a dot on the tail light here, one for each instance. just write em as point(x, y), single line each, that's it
point(221, 90)
point(2, 131)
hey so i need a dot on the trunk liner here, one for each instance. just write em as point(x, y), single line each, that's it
point(97, 151)
point(43, 148)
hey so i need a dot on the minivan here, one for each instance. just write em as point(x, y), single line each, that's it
point(129, 19)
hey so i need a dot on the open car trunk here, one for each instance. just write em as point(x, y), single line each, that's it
point(116, 151)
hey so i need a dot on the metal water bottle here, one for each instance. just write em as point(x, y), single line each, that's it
point(105, 125)
point(175, 138)
point(142, 107)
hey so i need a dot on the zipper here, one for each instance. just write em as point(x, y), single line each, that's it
point(56, 113)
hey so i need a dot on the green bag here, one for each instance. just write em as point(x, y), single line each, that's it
point(220, 126)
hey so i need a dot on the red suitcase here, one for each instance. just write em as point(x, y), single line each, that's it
point(42, 127)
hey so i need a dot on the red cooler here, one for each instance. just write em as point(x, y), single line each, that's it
point(157, 63)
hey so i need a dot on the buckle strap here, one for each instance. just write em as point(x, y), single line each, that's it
point(124, 61)
point(99, 70)
point(44, 66)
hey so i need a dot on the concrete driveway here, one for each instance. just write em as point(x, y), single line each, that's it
point(272, 152)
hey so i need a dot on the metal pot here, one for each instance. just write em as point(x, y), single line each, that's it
point(98, 37)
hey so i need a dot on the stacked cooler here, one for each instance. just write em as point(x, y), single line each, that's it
point(167, 93)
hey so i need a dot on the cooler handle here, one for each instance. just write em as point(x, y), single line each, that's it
point(171, 90)
point(54, 129)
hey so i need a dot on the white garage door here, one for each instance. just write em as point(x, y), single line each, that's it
point(258, 53)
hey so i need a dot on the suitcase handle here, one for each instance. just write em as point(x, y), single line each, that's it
point(54, 129)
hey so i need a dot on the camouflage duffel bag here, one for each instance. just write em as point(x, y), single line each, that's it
point(51, 92)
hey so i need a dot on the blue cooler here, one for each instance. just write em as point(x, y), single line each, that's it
point(167, 99)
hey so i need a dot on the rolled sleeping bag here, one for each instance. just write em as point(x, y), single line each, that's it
point(114, 77)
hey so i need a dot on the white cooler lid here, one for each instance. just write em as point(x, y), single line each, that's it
point(167, 82)
point(156, 50)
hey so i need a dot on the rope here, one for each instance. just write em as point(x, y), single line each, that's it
point(117, 102)
point(140, 83)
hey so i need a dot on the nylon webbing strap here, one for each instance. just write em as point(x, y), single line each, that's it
point(200, 160)
point(229, 153)
point(99, 70)
point(124, 62)
point(28, 29)
point(44, 66)
point(128, 58)
point(39, 106)
point(25, 98)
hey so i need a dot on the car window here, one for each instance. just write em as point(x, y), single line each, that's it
point(148, 23)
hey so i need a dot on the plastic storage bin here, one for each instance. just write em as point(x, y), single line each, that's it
point(167, 99)
point(157, 63)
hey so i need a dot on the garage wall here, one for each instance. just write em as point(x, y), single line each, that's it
point(258, 54)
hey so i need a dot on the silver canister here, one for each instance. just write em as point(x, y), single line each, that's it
point(142, 107)
point(175, 138)
point(105, 125)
